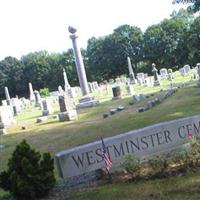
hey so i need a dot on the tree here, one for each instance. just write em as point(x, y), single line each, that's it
point(107, 56)
point(193, 42)
point(154, 45)
point(194, 4)
point(165, 43)
point(58, 62)
point(36, 69)
point(28, 176)
point(11, 73)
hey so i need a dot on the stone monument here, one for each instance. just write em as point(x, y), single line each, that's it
point(60, 90)
point(46, 107)
point(66, 82)
point(187, 68)
point(116, 92)
point(155, 75)
point(140, 78)
point(7, 95)
point(163, 73)
point(170, 74)
point(37, 99)
point(87, 100)
point(17, 105)
point(129, 89)
point(6, 118)
point(31, 93)
point(67, 113)
point(198, 65)
point(131, 73)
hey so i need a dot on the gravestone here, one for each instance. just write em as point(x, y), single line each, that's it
point(4, 103)
point(182, 71)
point(147, 82)
point(25, 102)
point(170, 74)
point(6, 118)
point(155, 75)
point(7, 96)
point(116, 92)
point(2, 128)
point(87, 101)
point(17, 105)
point(108, 88)
point(41, 119)
point(72, 92)
point(47, 108)
point(95, 85)
point(131, 73)
point(130, 89)
point(198, 65)
point(140, 78)
point(37, 99)
point(67, 112)
point(136, 98)
point(163, 73)
point(60, 91)
point(91, 89)
point(156, 139)
point(66, 82)
point(187, 68)
point(31, 93)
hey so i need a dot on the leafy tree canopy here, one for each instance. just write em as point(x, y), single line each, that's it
point(194, 5)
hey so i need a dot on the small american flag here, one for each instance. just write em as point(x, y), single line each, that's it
point(106, 157)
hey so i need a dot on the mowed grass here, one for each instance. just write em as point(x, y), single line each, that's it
point(174, 188)
point(54, 136)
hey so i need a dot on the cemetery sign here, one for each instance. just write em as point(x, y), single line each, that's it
point(159, 138)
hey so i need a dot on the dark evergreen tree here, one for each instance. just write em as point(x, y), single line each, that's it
point(29, 175)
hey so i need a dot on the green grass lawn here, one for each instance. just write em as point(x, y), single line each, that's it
point(174, 188)
point(54, 136)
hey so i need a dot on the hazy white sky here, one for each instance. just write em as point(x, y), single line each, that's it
point(33, 25)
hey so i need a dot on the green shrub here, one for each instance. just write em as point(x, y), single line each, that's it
point(158, 165)
point(194, 153)
point(29, 175)
point(182, 159)
point(44, 92)
point(132, 165)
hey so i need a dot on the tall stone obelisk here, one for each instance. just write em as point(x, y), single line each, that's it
point(66, 82)
point(130, 70)
point(7, 95)
point(31, 93)
point(79, 62)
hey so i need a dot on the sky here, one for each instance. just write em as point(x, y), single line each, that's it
point(33, 25)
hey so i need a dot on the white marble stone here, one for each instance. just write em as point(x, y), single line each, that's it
point(6, 115)
point(163, 73)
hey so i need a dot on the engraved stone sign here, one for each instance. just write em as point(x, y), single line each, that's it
point(156, 139)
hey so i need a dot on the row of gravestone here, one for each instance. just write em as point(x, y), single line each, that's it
point(156, 101)
point(113, 111)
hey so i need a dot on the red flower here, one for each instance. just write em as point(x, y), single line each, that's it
point(190, 134)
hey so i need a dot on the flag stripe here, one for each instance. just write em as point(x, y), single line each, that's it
point(106, 157)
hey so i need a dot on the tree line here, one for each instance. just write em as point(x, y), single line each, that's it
point(171, 43)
